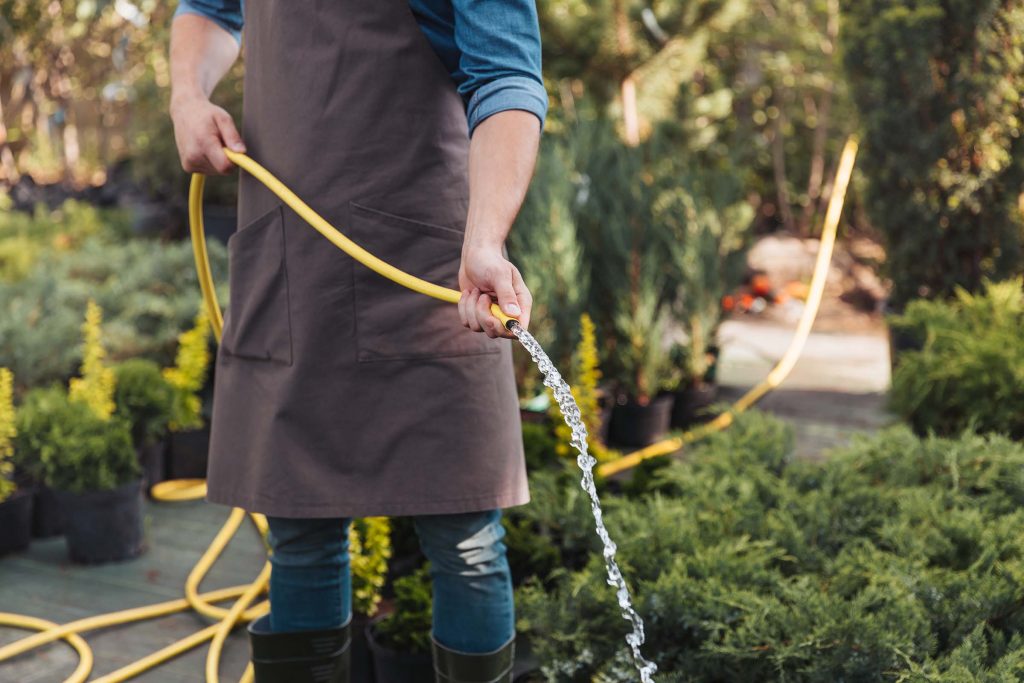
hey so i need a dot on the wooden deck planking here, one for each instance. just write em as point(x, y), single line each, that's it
point(42, 582)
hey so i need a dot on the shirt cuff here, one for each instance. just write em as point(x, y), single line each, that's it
point(185, 7)
point(508, 92)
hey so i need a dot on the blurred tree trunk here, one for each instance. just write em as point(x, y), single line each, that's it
point(779, 172)
point(627, 88)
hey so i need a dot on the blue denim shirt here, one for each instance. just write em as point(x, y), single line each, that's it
point(491, 49)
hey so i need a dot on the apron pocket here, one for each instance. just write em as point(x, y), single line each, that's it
point(395, 323)
point(258, 320)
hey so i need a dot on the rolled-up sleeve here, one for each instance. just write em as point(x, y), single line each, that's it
point(499, 42)
point(228, 14)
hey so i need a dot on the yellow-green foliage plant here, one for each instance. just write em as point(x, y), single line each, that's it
point(188, 374)
point(586, 374)
point(95, 387)
point(7, 433)
point(369, 547)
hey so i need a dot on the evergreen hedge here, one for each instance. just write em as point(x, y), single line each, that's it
point(898, 559)
point(939, 84)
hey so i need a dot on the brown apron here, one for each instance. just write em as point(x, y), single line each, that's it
point(337, 392)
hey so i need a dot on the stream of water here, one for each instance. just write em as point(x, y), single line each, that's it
point(571, 415)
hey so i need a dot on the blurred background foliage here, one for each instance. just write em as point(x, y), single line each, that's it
point(679, 130)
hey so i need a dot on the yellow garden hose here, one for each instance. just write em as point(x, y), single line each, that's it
point(244, 596)
point(796, 346)
point(195, 214)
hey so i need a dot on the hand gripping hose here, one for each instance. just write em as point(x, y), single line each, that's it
point(245, 595)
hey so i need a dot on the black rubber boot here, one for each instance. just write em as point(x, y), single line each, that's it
point(320, 656)
point(451, 666)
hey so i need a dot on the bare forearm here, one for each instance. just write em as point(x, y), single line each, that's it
point(502, 155)
point(201, 53)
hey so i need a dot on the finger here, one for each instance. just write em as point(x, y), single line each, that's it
point(506, 293)
point(471, 311)
point(462, 308)
point(524, 296)
point(489, 323)
point(194, 161)
point(216, 157)
point(228, 133)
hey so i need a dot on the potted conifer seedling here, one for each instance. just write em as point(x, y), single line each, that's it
point(34, 421)
point(87, 458)
point(189, 442)
point(369, 551)
point(399, 642)
point(709, 228)
point(91, 466)
point(15, 502)
point(642, 411)
point(144, 398)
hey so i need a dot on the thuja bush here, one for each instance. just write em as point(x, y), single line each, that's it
point(969, 370)
point(897, 559)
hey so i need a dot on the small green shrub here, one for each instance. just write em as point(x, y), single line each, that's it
point(143, 398)
point(555, 530)
point(68, 447)
point(188, 374)
point(34, 418)
point(539, 445)
point(370, 549)
point(8, 431)
point(899, 558)
point(969, 371)
point(408, 628)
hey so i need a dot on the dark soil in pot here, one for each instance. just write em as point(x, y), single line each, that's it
point(692, 403)
point(104, 526)
point(153, 462)
point(635, 425)
point(187, 454)
point(47, 515)
point(394, 666)
point(16, 522)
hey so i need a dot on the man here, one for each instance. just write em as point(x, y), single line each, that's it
point(412, 125)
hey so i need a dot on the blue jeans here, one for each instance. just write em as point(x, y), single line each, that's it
point(311, 586)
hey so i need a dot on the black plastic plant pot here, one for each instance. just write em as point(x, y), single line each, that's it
point(187, 454)
point(16, 522)
point(104, 526)
point(691, 404)
point(47, 514)
point(360, 664)
point(395, 666)
point(152, 459)
point(635, 425)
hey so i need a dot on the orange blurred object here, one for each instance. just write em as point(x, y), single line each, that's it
point(797, 290)
point(728, 302)
point(761, 285)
